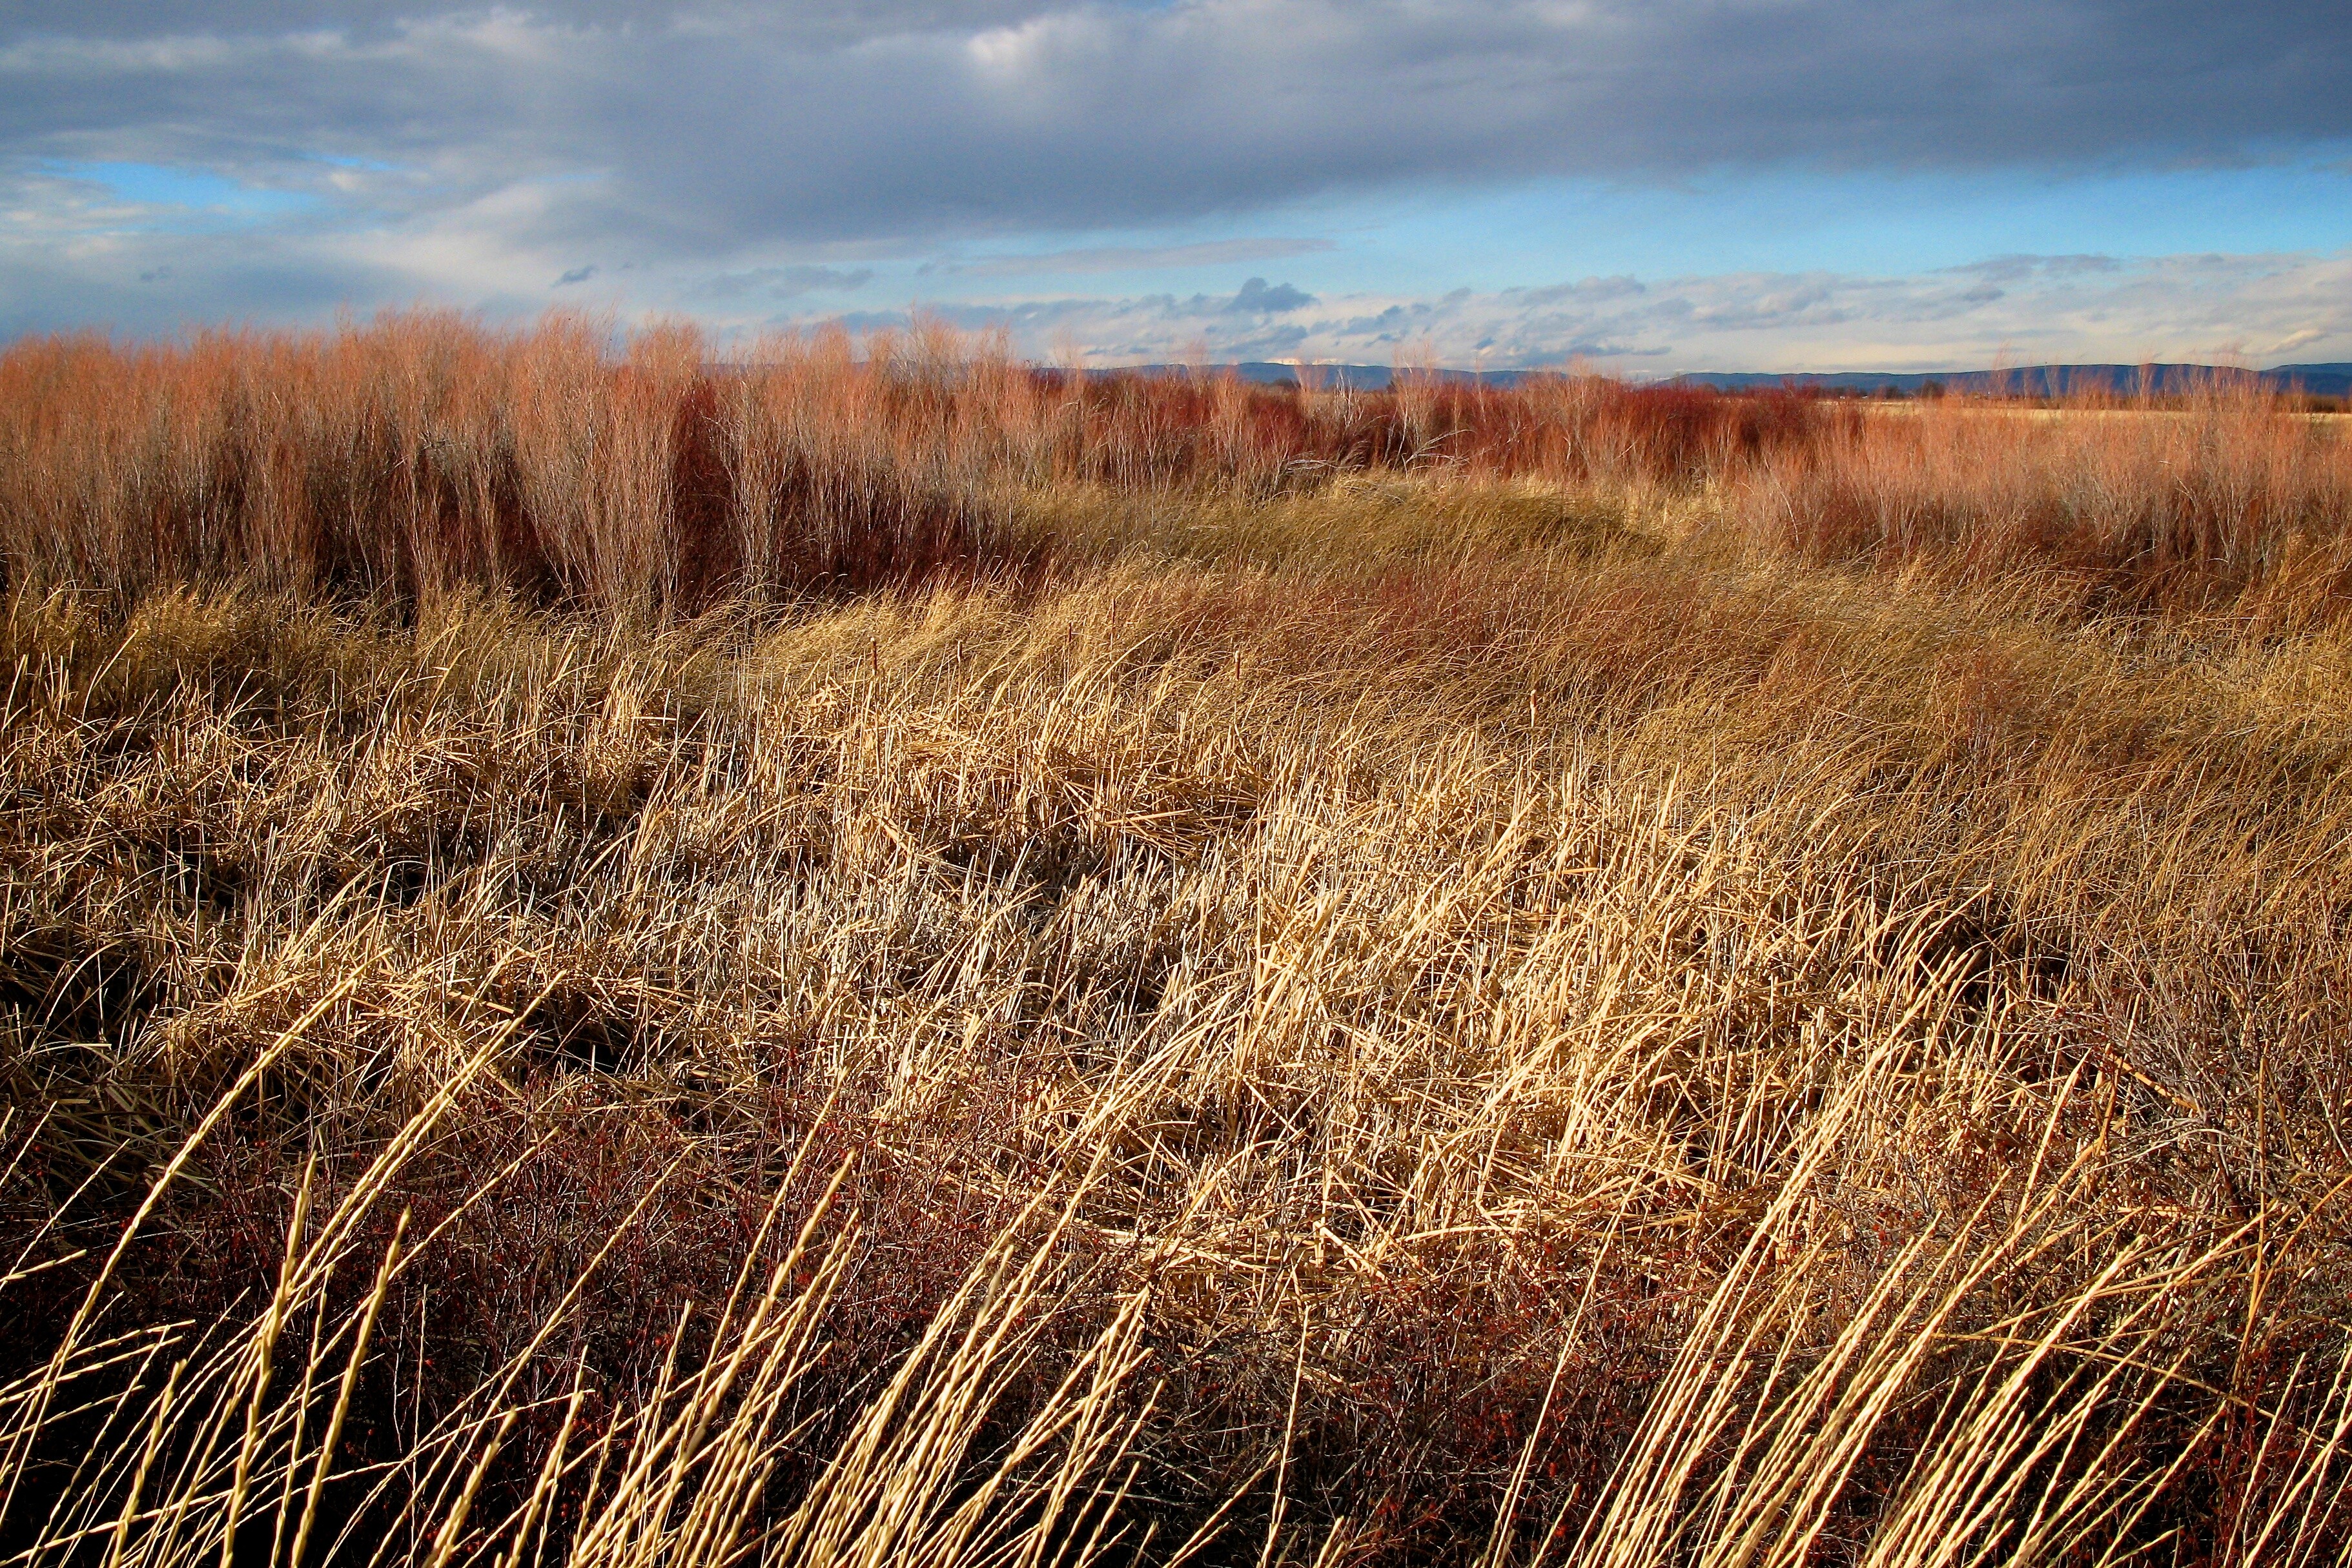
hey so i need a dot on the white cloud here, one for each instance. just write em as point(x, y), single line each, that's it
point(2258, 307)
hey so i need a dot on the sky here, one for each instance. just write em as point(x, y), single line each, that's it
point(1643, 186)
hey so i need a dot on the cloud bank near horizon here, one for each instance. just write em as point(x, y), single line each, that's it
point(2253, 309)
point(167, 161)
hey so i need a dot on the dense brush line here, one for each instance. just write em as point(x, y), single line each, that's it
point(424, 451)
point(640, 472)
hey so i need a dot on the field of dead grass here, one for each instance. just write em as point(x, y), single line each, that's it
point(884, 957)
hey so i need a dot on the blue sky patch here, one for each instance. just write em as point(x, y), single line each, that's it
point(184, 192)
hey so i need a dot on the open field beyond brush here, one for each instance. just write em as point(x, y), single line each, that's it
point(887, 958)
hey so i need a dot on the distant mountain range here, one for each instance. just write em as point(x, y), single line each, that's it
point(2041, 381)
point(2027, 381)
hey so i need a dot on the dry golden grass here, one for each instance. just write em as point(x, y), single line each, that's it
point(1172, 978)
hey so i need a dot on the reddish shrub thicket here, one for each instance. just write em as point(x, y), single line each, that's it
point(643, 472)
point(2226, 489)
point(424, 450)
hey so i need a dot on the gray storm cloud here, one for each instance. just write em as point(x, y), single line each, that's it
point(758, 160)
point(699, 127)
